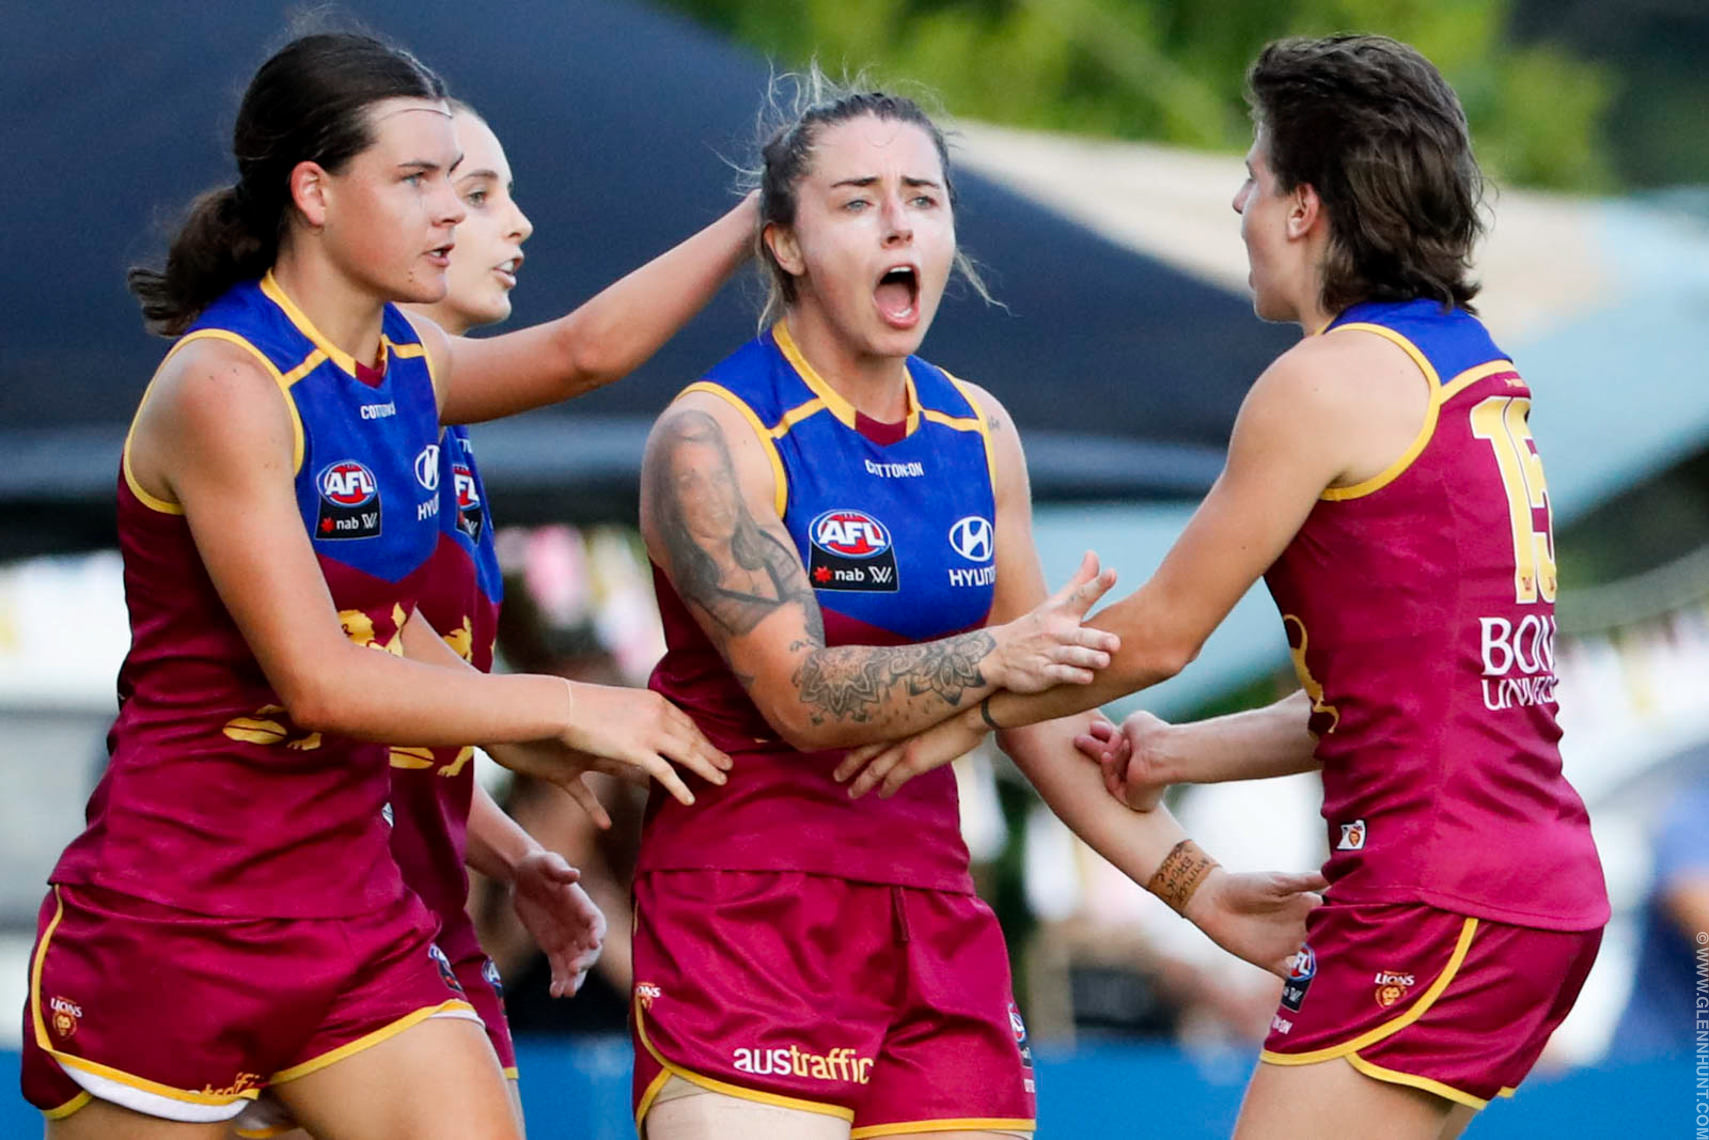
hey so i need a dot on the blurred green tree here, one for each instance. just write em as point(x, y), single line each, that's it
point(1172, 70)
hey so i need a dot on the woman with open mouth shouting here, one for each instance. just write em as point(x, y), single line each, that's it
point(842, 540)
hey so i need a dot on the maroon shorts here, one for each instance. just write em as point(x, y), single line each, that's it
point(1457, 1006)
point(889, 1007)
point(187, 1017)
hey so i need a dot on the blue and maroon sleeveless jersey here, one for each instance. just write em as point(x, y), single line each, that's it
point(895, 526)
point(1419, 608)
point(432, 787)
point(214, 800)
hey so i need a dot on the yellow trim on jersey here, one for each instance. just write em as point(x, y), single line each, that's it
point(310, 362)
point(69, 1106)
point(1447, 1092)
point(1416, 448)
point(1472, 375)
point(511, 1073)
point(270, 288)
point(368, 1041)
point(795, 415)
point(712, 1084)
point(1440, 394)
point(780, 479)
point(1405, 344)
point(980, 425)
point(969, 1124)
point(283, 380)
point(71, 1060)
point(839, 407)
point(1389, 1028)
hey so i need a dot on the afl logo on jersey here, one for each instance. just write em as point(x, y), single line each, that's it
point(971, 538)
point(850, 534)
point(349, 501)
point(851, 550)
point(427, 467)
point(1301, 970)
point(469, 518)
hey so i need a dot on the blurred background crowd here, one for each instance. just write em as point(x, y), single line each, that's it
point(1098, 144)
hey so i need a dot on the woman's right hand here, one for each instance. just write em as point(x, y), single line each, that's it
point(1050, 646)
point(636, 732)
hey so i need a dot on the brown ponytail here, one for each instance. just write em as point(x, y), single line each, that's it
point(308, 103)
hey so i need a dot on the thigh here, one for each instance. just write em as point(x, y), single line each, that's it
point(682, 1111)
point(102, 1120)
point(1331, 1098)
point(436, 1080)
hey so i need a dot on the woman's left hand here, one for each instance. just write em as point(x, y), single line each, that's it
point(560, 916)
point(888, 766)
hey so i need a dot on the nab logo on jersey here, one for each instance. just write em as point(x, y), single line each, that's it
point(851, 551)
point(349, 501)
point(469, 519)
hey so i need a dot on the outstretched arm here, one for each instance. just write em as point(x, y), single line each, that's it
point(1309, 422)
point(606, 338)
point(1148, 754)
point(712, 523)
point(1259, 917)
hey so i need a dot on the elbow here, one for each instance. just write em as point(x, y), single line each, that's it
point(1157, 662)
point(312, 708)
point(805, 727)
point(799, 729)
point(316, 701)
point(588, 359)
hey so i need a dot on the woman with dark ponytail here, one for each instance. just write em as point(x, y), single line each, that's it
point(232, 919)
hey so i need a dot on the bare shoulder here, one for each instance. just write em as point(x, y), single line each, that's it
point(1339, 375)
point(215, 383)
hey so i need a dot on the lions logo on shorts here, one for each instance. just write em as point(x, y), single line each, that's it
point(66, 1014)
point(1391, 987)
point(444, 964)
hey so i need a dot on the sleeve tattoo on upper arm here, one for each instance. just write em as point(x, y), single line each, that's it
point(739, 572)
point(722, 560)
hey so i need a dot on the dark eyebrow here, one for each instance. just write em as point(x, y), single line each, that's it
point(872, 180)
